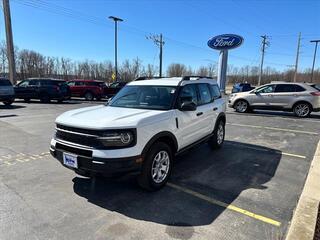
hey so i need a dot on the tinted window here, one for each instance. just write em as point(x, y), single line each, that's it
point(205, 96)
point(215, 91)
point(71, 83)
point(93, 83)
point(5, 82)
point(188, 93)
point(266, 89)
point(286, 88)
point(24, 83)
point(299, 88)
point(34, 83)
point(79, 83)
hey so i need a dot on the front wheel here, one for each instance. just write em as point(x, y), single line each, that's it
point(8, 102)
point(241, 106)
point(156, 168)
point(302, 110)
point(217, 139)
point(89, 96)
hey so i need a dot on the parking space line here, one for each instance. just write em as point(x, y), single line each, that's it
point(273, 128)
point(266, 150)
point(225, 205)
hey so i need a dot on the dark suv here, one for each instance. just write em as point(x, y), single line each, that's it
point(6, 91)
point(114, 88)
point(45, 89)
point(89, 89)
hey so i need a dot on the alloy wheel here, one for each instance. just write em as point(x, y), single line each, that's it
point(160, 167)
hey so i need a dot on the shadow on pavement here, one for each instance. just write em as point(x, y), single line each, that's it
point(13, 106)
point(267, 113)
point(221, 175)
point(65, 102)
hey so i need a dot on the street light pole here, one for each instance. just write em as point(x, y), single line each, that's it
point(116, 20)
point(314, 57)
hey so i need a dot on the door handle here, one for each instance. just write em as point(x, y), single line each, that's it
point(215, 109)
point(199, 114)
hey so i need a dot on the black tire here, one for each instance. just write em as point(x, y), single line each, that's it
point(89, 96)
point(8, 102)
point(242, 106)
point(302, 109)
point(146, 179)
point(217, 139)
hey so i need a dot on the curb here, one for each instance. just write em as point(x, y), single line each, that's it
point(303, 223)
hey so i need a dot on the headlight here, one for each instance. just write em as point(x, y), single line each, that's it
point(123, 138)
point(232, 95)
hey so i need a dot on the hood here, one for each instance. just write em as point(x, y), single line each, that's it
point(106, 117)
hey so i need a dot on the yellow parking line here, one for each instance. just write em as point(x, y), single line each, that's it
point(225, 205)
point(273, 128)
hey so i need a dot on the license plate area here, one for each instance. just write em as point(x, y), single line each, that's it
point(70, 160)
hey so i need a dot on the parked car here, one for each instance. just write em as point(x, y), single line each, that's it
point(114, 88)
point(45, 89)
point(6, 91)
point(142, 129)
point(89, 89)
point(242, 87)
point(300, 98)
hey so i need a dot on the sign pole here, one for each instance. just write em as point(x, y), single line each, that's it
point(222, 70)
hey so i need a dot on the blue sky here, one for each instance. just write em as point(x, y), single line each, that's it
point(79, 29)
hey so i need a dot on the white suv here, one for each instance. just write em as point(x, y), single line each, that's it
point(142, 129)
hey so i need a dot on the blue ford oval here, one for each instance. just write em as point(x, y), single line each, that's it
point(225, 41)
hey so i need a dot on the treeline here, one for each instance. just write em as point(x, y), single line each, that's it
point(33, 64)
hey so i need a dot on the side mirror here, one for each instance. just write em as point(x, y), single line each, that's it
point(188, 106)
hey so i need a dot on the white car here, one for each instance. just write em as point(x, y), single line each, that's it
point(300, 98)
point(141, 129)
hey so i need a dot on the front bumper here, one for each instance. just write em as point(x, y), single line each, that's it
point(95, 166)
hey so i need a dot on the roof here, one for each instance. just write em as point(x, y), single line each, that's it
point(43, 78)
point(173, 81)
point(85, 80)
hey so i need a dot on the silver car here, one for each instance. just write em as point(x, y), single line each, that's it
point(300, 98)
point(6, 91)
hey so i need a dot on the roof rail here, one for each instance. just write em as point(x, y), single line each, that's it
point(196, 77)
point(146, 78)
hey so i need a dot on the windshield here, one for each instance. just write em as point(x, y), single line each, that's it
point(5, 82)
point(144, 97)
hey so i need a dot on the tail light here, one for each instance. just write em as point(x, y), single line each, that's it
point(315, 93)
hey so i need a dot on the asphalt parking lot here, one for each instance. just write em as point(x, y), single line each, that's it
point(246, 190)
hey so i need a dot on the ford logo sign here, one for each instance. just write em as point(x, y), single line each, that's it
point(225, 41)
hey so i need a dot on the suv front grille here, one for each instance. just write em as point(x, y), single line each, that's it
point(79, 136)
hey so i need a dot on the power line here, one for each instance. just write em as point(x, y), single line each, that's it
point(297, 59)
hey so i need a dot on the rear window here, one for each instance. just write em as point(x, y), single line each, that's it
point(5, 82)
point(289, 88)
point(316, 86)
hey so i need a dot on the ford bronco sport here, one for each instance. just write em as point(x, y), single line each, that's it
point(141, 129)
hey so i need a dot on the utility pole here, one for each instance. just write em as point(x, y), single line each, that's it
point(265, 43)
point(157, 40)
point(314, 57)
point(297, 58)
point(10, 48)
point(116, 20)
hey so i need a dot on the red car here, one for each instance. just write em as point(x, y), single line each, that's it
point(114, 88)
point(89, 89)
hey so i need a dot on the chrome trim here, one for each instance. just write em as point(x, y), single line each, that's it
point(71, 144)
point(77, 133)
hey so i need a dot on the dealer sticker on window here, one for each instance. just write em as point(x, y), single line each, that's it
point(70, 160)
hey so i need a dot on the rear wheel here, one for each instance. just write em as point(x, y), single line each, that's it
point(8, 102)
point(241, 106)
point(217, 139)
point(302, 109)
point(88, 96)
point(156, 168)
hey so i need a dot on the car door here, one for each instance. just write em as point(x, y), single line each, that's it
point(21, 90)
point(205, 111)
point(285, 94)
point(262, 97)
point(188, 122)
point(33, 89)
